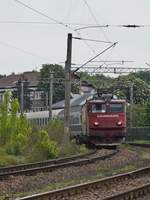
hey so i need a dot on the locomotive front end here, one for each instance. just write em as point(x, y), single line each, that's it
point(106, 121)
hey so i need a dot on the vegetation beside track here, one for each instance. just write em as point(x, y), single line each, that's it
point(22, 142)
point(126, 160)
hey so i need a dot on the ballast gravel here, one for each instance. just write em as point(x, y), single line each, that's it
point(24, 185)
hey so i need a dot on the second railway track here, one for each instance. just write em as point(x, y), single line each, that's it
point(127, 186)
point(45, 166)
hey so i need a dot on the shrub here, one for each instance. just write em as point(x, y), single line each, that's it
point(43, 148)
point(55, 130)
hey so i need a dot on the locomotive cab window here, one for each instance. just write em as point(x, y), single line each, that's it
point(98, 108)
point(116, 107)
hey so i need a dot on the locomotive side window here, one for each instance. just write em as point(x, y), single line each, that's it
point(116, 107)
point(98, 108)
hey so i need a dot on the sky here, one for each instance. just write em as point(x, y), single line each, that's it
point(26, 46)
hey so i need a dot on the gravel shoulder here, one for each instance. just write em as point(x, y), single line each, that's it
point(128, 159)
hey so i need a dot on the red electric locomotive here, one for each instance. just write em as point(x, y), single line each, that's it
point(102, 121)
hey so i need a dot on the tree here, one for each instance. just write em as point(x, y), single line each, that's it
point(144, 75)
point(141, 90)
point(58, 87)
point(98, 80)
point(147, 114)
point(4, 118)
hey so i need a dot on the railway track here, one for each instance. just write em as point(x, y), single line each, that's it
point(138, 191)
point(78, 191)
point(45, 166)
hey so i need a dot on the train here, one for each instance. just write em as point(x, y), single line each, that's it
point(101, 120)
point(95, 118)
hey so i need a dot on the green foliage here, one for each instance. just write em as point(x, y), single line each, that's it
point(138, 114)
point(71, 148)
point(143, 75)
point(55, 130)
point(141, 90)
point(98, 80)
point(58, 89)
point(16, 133)
point(147, 114)
point(18, 138)
point(40, 147)
point(5, 118)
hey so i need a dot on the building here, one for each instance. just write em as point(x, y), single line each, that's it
point(9, 83)
point(38, 98)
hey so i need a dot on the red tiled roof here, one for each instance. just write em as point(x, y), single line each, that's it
point(10, 80)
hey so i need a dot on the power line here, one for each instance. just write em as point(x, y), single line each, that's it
point(21, 50)
point(113, 45)
point(112, 61)
point(93, 16)
point(87, 25)
point(44, 15)
point(106, 26)
point(114, 70)
point(96, 21)
point(54, 20)
point(46, 23)
point(92, 40)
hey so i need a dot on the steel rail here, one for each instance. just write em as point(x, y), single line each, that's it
point(81, 188)
point(131, 194)
point(44, 163)
point(52, 167)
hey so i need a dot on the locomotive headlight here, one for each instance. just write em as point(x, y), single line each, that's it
point(96, 123)
point(119, 123)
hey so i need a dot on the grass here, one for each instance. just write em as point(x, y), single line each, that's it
point(142, 141)
point(69, 150)
point(6, 159)
point(100, 172)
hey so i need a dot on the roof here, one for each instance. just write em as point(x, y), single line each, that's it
point(77, 100)
point(112, 101)
point(11, 80)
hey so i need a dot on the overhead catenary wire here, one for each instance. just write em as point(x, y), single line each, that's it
point(58, 22)
point(95, 19)
point(42, 23)
point(22, 50)
point(107, 26)
point(87, 25)
point(113, 45)
point(44, 15)
point(54, 20)
point(92, 40)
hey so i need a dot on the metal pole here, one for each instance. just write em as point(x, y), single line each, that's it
point(131, 104)
point(50, 95)
point(22, 96)
point(46, 100)
point(67, 88)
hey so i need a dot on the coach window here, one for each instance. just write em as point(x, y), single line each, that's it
point(98, 108)
point(116, 107)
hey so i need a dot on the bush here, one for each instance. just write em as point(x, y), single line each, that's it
point(42, 147)
point(17, 145)
point(55, 130)
point(71, 148)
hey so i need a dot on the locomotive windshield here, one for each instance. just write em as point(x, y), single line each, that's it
point(98, 108)
point(116, 107)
